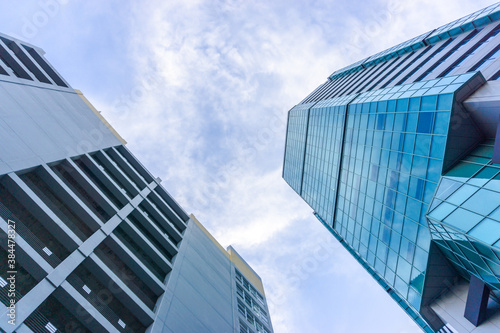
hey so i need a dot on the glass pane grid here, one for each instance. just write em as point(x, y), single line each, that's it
point(390, 150)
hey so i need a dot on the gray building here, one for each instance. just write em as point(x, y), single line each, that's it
point(90, 240)
point(398, 155)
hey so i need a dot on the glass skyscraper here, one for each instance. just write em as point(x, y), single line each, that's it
point(90, 241)
point(398, 156)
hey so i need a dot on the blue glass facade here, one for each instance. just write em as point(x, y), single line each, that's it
point(392, 168)
point(464, 217)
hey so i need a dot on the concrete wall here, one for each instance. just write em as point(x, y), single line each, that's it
point(199, 295)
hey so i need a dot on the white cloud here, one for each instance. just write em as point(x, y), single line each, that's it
point(202, 98)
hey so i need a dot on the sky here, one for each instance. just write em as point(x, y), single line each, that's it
point(200, 89)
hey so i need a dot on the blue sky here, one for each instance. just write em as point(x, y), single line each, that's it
point(200, 90)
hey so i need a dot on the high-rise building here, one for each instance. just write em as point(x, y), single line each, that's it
point(399, 157)
point(90, 240)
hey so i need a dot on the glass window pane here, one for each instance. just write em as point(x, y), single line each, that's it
point(414, 104)
point(428, 103)
point(441, 123)
point(402, 105)
point(411, 123)
point(438, 146)
point(483, 202)
point(462, 194)
point(425, 122)
point(487, 231)
point(441, 211)
point(463, 219)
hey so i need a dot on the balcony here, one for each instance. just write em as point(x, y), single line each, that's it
point(27, 226)
point(51, 316)
point(24, 280)
point(105, 185)
point(58, 202)
point(130, 239)
point(84, 191)
point(126, 168)
point(154, 234)
point(126, 274)
point(106, 302)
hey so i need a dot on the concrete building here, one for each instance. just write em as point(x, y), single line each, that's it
point(90, 240)
point(398, 155)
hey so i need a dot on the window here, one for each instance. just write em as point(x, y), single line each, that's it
point(446, 56)
point(445, 44)
point(472, 51)
point(239, 290)
point(10, 62)
point(406, 67)
point(486, 60)
point(244, 328)
point(241, 308)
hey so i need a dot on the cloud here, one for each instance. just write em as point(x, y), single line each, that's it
point(200, 90)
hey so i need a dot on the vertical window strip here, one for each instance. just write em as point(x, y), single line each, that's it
point(3, 71)
point(402, 60)
point(10, 62)
point(446, 56)
point(45, 66)
point(388, 64)
point(345, 80)
point(486, 60)
point(324, 90)
point(25, 60)
point(337, 85)
point(407, 76)
point(377, 68)
point(354, 81)
point(473, 50)
point(407, 66)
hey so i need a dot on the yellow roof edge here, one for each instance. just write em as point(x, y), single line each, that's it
point(235, 258)
point(212, 238)
point(98, 114)
point(246, 270)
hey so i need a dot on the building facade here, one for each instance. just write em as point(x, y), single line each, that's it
point(398, 155)
point(90, 240)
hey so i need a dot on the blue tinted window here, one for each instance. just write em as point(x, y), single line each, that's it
point(488, 231)
point(400, 202)
point(399, 122)
point(438, 145)
point(382, 106)
point(444, 102)
point(389, 121)
point(408, 144)
point(434, 170)
point(410, 230)
point(413, 209)
point(380, 121)
point(391, 106)
point(428, 103)
point(402, 105)
point(407, 248)
point(422, 144)
point(441, 123)
point(414, 104)
point(411, 122)
point(406, 162)
point(425, 121)
point(463, 219)
point(416, 189)
point(392, 259)
point(404, 268)
point(373, 107)
point(419, 166)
